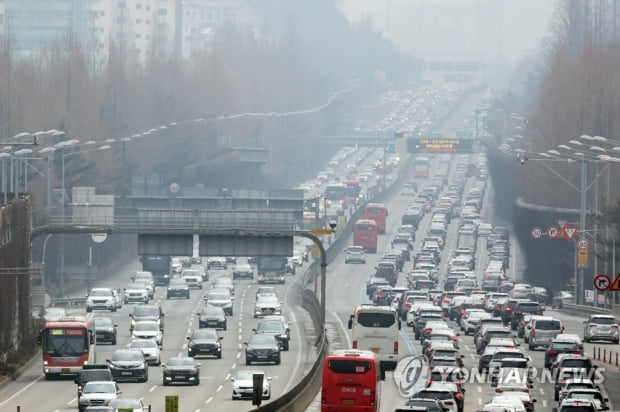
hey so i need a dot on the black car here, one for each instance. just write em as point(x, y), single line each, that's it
point(275, 328)
point(177, 288)
point(129, 365)
point(105, 330)
point(524, 308)
point(243, 270)
point(204, 342)
point(181, 369)
point(558, 347)
point(212, 317)
point(262, 348)
point(92, 373)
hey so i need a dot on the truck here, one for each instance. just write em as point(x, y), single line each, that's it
point(271, 269)
point(159, 266)
point(467, 241)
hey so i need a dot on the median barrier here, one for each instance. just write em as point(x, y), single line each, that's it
point(584, 309)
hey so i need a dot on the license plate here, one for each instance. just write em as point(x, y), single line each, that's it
point(348, 402)
point(262, 357)
point(375, 350)
point(179, 378)
point(126, 373)
point(65, 370)
point(212, 322)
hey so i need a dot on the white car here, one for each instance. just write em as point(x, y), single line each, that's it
point(146, 284)
point(243, 386)
point(136, 293)
point(267, 305)
point(98, 393)
point(149, 348)
point(148, 329)
point(355, 254)
point(102, 298)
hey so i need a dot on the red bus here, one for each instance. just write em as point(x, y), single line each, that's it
point(68, 343)
point(377, 212)
point(353, 190)
point(365, 234)
point(351, 381)
point(421, 165)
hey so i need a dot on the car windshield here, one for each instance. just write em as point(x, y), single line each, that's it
point(204, 334)
point(142, 311)
point(142, 344)
point(262, 339)
point(270, 326)
point(103, 322)
point(128, 355)
point(103, 387)
point(177, 282)
point(576, 363)
point(564, 346)
point(146, 326)
point(584, 395)
point(603, 321)
point(441, 395)
point(548, 324)
point(101, 292)
point(443, 362)
point(180, 362)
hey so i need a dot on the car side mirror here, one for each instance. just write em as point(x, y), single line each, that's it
point(254, 330)
point(221, 338)
point(188, 338)
point(232, 379)
point(76, 380)
point(118, 392)
point(458, 334)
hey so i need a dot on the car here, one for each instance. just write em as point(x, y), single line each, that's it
point(225, 282)
point(601, 327)
point(135, 292)
point(133, 404)
point(266, 291)
point(144, 275)
point(147, 312)
point(105, 330)
point(204, 342)
point(593, 394)
point(193, 281)
point(217, 263)
point(355, 254)
point(181, 369)
point(243, 270)
point(576, 405)
point(98, 393)
point(543, 330)
point(93, 372)
point(212, 317)
point(101, 408)
point(101, 298)
point(129, 364)
point(220, 298)
point(280, 318)
point(177, 288)
point(421, 405)
point(443, 394)
point(262, 348)
point(243, 384)
point(581, 383)
point(148, 329)
point(267, 305)
point(149, 348)
point(176, 265)
point(275, 328)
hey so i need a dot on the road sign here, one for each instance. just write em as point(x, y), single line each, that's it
point(172, 403)
point(553, 232)
point(99, 237)
point(583, 243)
point(321, 231)
point(602, 282)
point(562, 223)
point(582, 257)
point(615, 286)
point(536, 233)
point(570, 232)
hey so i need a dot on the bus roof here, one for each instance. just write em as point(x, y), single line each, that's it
point(366, 222)
point(375, 205)
point(374, 309)
point(70, 322)
point(349, 353)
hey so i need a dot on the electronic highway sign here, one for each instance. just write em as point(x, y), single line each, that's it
point(438, 144)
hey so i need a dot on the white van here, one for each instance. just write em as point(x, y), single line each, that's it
point(376, 328)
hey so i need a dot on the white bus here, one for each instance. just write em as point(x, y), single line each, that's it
point(376, 328)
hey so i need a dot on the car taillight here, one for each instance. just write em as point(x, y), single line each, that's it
point(453, 337)
point(496, 307)
point(533, 333)
point(354, 344)
point(446, 300)
point(499, 390)
point(592, 325)
point(552, 351)
point(373, 397)
point(458, 396)
point(576, 352)
point(519, 312)
point(486, 340)
point(396, 347)
point(614, 326)
point(426, 330)
point(507, 309)
point(449, 403)
point(539, 312)
point(462, 311)
point(324, 396)
point(407, 304)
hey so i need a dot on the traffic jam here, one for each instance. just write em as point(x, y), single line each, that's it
point(444, 283)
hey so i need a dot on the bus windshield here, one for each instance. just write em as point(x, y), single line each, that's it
point(271, 263)
point(336, 192)
point(66, 342)
point(365, 227)
point(348, 366)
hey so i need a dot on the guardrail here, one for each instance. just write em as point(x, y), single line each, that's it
point(68, 301)
point(581, 309)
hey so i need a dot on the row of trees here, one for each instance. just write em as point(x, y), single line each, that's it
point(304, 51)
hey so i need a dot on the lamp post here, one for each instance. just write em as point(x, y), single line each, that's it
point(61, 277)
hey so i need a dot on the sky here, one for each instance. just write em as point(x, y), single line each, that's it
point(484, 27)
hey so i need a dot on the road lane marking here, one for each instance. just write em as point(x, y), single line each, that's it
point(227, 377)
point(234, 365)
point(544, 403)
point(479, 389)
point(467, 347)
point(238, 355)
point(71, 401)
point(153, 388)
point(346, 333)
point(542, 392)
point(219, 388)
point(19, 392)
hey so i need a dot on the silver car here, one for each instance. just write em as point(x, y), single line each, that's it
point(98, 393)
point(149, 348)
point(355, 254)
point(601, 327)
